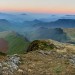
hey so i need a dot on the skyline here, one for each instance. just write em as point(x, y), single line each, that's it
point(38, 6)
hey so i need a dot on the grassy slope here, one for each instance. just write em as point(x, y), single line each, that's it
point(46, 33)
point(17, 44)
point(55, 62)
point(71, 33)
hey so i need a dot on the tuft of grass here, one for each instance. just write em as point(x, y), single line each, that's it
point(58, 69)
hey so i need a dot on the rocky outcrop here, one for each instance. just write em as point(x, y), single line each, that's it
point(41, 45)
point(11, 65)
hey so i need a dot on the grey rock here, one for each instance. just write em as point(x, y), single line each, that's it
point(10, 65)
point(72, 59)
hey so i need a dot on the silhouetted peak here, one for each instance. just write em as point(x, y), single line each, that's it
point(4, 21)
point(23, 14)
point(67, 20)
point(36, 20)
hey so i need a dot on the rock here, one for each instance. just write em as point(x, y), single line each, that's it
point(20, 72)
point(5, 71)
point(42, 52)
point(10, 65)
point(15, 59)
point(45, 52)
point(0, 68)
point(0, 65)
point(72, 59)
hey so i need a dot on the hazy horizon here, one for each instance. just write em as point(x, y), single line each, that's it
point(38, 6)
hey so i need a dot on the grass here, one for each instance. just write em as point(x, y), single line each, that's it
point(38, 64)
point(34, 63)
point(40, 45)
point(17, 44)
point(58, 70)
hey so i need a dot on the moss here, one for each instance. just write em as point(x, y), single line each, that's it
point(40, 44)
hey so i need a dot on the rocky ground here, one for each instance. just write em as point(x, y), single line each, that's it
point(58, 61)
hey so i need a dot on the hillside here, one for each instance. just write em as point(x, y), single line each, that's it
point(49, 57)
point(57, 34)
point(11, 42)
point(71, 33)
point(60, 23)
point(44, 57)
point(4, 25)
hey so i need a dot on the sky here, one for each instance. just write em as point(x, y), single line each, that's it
point(38, 6)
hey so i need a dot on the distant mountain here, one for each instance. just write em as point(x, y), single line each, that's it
point(5, 25)
point(68, 17)
point(61, 23)
point(32, 19)
point(51, 18)
point(11, 43)
point(16, 18)
point(66, 23)
point(9, 17)
point(48, 33)
point(31, 23)
point(23, 14)
point(4, 22)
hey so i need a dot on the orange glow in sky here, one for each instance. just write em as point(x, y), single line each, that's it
point(38, 6)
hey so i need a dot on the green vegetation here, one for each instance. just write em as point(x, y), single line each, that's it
point(58, 70)
point(17, 44)
point(71, 33)
point(41, 45)
point(41, 62)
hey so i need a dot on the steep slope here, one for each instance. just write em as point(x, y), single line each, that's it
point(48, 33)
point(13, 42)
point(70, 31)
point(71, 34)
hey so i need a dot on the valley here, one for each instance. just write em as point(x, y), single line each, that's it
point(37, 44)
